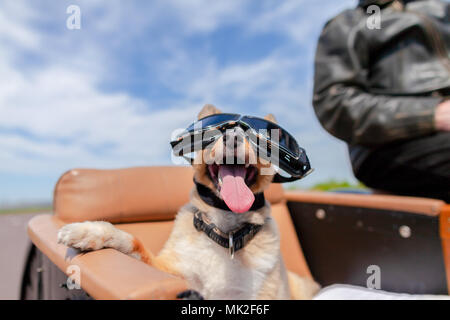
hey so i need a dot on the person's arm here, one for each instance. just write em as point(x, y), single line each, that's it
point(342, 102)
point(442, 116)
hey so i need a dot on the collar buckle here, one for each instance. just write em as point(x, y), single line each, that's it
point(231, 245)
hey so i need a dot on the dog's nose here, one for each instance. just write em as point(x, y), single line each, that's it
point(234, 137)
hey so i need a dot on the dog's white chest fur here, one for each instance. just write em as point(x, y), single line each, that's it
point(209, 269)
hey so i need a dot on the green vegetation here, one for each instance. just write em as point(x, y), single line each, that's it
point(34, 209)
point(333, 185)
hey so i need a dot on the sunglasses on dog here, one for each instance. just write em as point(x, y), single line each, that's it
point(271, 141)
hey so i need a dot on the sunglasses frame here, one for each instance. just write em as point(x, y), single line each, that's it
point(286, 156)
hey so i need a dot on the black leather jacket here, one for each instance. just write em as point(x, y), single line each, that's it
point(376, 86)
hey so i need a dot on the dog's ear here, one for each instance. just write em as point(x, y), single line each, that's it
point(270, 117)
point(207, 110)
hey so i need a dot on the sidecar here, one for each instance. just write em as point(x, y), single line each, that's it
point(336, 238)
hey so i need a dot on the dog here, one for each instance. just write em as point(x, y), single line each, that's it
point(256, 271)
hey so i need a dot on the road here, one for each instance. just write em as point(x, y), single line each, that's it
point(14, 244)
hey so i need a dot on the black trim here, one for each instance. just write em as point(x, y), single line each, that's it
point(26, 273)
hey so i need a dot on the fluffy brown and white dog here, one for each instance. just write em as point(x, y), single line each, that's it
point(257, 270)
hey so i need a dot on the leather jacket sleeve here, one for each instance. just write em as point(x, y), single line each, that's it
point(343, 101)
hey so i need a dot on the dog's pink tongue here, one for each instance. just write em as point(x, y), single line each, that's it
point(238, 197)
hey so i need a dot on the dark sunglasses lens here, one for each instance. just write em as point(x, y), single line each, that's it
point(259, 124)
point(212, 120)
point(288, 141)
point(270, 128)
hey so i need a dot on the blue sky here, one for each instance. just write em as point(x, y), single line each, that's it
point(110, 94)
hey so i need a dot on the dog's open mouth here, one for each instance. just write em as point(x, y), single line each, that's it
point(233, 182)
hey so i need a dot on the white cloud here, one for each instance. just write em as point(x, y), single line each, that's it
point(14, 29)
point(297, 18)
point(205, 15)
point(57, 114)
point(60, 105)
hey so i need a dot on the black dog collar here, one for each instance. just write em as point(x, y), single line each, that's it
point(211, 199)
point(233, 240)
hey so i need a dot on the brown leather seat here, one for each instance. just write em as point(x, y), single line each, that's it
point(142, 201)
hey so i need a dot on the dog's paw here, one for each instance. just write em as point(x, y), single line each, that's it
point(86, 235)
point(302, 288)
point(190, 295)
